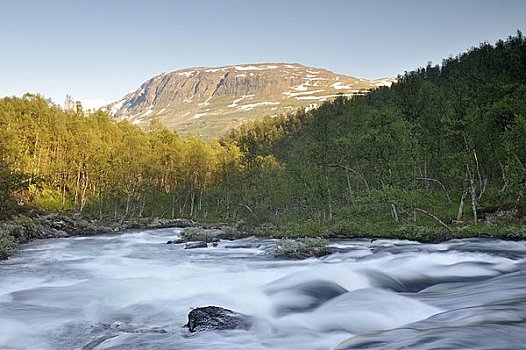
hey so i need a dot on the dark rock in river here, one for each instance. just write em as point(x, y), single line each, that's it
point(193, 245)
point(217, 318)
point(176, 241)
point(242, 246)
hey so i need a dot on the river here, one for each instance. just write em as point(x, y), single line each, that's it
point(132, 291)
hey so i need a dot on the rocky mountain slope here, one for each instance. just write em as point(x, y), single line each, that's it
point(209, 101)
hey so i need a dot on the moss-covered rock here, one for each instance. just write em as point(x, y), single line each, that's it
point(301, 248)
point(200, 234)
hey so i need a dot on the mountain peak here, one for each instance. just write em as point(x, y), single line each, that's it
point(207, 101)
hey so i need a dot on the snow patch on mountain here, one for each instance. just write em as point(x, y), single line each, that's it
point(294, 94)
point(339, 86)
point(253, 105)
point(206, 102)
point(236, 101)
point(187, 74)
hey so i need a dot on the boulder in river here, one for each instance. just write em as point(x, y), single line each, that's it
point(217, 318)
point(193, 245)
point(301, 248)
point(200, 234)
point(176, 241)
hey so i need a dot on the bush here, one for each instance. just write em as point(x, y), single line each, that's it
point(10, 183)
point(8, 245)
point(49, 198)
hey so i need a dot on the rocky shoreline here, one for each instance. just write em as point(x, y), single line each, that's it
point(25, 229)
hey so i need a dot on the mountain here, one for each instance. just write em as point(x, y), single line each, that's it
point(208, 101)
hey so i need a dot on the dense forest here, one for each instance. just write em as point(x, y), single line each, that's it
point(442, 148)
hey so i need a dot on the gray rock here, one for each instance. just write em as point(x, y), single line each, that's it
point(217, 318)
point(242, 246)
point(301, 249)
point(176, 241)
point(200, 234)
point(193, 245)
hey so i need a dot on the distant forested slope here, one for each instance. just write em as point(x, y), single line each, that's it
point(445, 140)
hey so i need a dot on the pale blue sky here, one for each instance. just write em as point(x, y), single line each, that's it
point(102, 49)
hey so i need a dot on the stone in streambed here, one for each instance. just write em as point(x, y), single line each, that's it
point(217, 318)
point(194, 245)
point(176, 241)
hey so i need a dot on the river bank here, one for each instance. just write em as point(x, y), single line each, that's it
point(24, 229)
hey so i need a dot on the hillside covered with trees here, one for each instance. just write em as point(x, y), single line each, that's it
point(441, 149)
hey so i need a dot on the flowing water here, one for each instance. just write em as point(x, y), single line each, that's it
point(132, 291)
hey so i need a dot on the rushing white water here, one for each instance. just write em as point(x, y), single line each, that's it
point(132, 291)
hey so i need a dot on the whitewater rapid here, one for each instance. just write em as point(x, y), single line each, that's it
point(132, 291)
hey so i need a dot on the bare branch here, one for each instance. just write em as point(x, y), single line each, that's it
point(435, 218)
point(438, 182)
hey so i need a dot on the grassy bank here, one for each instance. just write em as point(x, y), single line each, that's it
point(421, 233)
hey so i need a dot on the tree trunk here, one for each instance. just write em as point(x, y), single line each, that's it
point(329, 196)
point(349, 188)
point(77, 186)
point(461, 205)
point(473, 191)
point(505, 180)
point(394, 213)
point(83, 193)
point(63, 191)
point(174, 200)
point(192, 203)
point(128, 202)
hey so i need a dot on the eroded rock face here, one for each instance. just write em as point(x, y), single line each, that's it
point(216, 318)
point(208, 101)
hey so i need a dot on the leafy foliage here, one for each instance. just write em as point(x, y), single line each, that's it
point(8, 245)
point(434, 149)
point(446, 139)
point(10, 183)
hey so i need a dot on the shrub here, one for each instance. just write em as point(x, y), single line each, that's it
point(8, 245)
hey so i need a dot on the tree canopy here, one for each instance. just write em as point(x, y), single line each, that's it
point(441, 144)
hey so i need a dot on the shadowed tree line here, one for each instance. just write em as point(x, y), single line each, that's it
point(442, 145)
